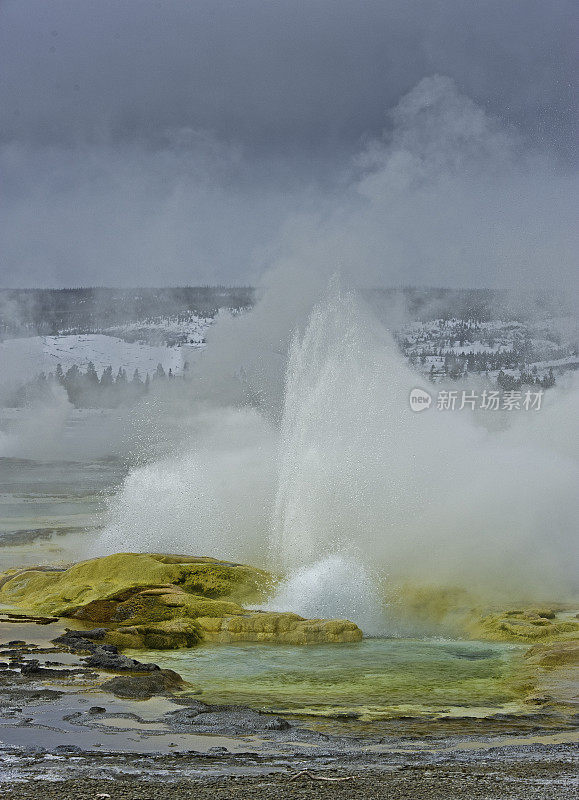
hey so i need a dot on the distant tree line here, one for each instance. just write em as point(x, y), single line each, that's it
point(509, 382)
point(47, 312)
point(50, 311)
point(454, 366)
point(88, 390)
point(456, 369)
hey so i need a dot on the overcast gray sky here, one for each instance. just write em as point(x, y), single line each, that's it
point(185, 141)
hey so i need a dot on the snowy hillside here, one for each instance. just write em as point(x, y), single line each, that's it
point(505, 351)
point(454, 347)
point(171, 330)
point(36, 354)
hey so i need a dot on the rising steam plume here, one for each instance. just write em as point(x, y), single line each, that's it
point(301, 447)
point(351, 473)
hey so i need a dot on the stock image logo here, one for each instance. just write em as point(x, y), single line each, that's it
point(420, 400)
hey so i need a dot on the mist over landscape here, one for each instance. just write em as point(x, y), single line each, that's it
point(429, 177)
point(143, 145)
point(288, 356)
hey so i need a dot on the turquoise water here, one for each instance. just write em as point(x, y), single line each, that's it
point(369, 680)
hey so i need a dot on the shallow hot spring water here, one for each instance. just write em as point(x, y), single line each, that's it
point(48, 513)
point(370, 680)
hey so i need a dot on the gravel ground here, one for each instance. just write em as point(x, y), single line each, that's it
point(521, 780)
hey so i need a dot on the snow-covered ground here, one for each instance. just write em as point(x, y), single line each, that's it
point(26, 357)
point(165, 340)
point(184, 328)
point(434, 347)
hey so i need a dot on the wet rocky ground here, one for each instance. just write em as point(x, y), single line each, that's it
point(506, 773)
point(79, 719)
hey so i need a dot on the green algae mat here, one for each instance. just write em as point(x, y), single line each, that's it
point(370, 680)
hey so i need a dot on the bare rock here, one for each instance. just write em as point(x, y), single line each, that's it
point(142, 687)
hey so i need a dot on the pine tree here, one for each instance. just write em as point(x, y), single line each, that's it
point(107, 377)
point(73, 384)
point(91, 374)
point(549, 380)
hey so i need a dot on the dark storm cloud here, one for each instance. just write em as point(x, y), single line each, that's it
point(166, 142)
point(272, 73)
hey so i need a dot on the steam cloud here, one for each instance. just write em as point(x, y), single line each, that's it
point(303, 446)
point(149, 131)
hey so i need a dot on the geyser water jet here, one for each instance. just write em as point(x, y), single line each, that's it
point(337, 585)
point(342, 475)
point(352, 476)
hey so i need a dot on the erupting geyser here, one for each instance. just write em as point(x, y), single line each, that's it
point(352, 491)
point(344, 478)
